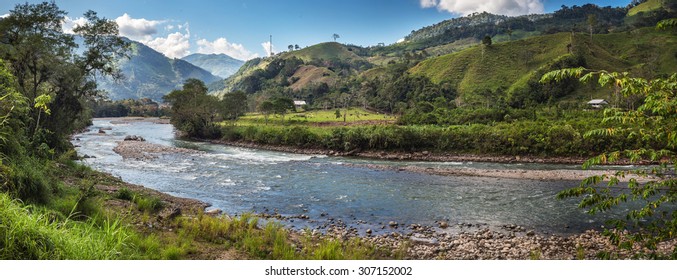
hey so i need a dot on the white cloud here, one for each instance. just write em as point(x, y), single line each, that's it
point(400, 40)
point(221, 45)
point(4, 16)
point(68, 24)
point(266, 48)
point(139, 29)
point(175, 45)
point(428, 3)
point(501, 7)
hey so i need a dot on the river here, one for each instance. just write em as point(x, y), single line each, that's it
point(238, 180)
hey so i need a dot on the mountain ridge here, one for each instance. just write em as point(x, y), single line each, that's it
point(150, 74)
point(220, 65)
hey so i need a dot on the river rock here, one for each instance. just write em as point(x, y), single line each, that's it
point(393, 224)
point(134, 138)
point(422, 239)
point(169, 213)
point(214, 211)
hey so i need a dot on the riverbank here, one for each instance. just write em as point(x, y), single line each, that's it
point(440, 241)
point(443, 241)
point(447, 242)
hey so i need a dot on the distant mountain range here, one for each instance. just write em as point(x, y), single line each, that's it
point(150, 74)
point(218, 64)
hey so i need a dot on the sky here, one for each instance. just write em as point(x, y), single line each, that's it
point(242, 28)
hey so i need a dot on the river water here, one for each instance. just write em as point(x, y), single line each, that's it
point(239, 180)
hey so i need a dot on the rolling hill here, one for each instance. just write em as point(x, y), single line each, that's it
point(509, 66)
point(295, 70)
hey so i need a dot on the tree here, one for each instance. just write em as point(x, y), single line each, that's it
point(296, 47)
point(592, 22)
point(486, 40)
point(509, 32)
point(194, 111)
point(266, 108)
point(335, 36)
point(281, 105)
point(49, 73)
point(290, 47)
point(234, 105)
point(654, 123)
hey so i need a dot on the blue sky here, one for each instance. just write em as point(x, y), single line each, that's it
point(242, 28)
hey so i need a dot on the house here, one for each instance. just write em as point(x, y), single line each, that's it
point(597, 103)
point(298, 104)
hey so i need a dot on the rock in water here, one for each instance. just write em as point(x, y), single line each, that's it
point(214, 211)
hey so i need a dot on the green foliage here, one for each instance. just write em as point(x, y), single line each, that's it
point(53, 78)
point(124, 194)
point(143, 107)
point(655, 121)
point(147, 204)
point(486, 40)
point(193, 111)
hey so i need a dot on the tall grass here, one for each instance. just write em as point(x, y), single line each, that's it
point(26, 232)
point(273, 241)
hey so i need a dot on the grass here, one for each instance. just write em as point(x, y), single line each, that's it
point(324, 51)
point(273, 241)
point(645, 7)
point(28, 232)
point(316, 117)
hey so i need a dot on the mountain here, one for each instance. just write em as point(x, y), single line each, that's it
point(218, 64)
point(150, 74)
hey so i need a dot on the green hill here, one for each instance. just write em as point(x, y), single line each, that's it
point(295, 70)
point(650, 5)
point(510, 66)
point(323, 51)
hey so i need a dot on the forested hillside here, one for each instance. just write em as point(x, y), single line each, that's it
point(149, 74)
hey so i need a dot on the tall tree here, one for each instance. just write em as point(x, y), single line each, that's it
point(266, 108)
point(290, 47)
point(592, 22)
point(49, 73)
point(194, 111)
point(335, 36)
point(234, 105)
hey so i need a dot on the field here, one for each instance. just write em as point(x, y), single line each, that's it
point(320, 118)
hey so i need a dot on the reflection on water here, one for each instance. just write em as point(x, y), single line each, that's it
point(239, 180)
